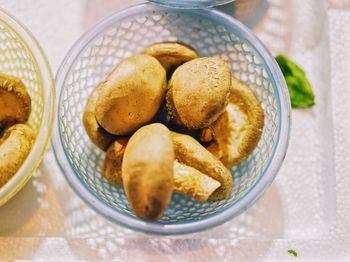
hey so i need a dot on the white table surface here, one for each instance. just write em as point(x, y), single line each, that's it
point(57, 25)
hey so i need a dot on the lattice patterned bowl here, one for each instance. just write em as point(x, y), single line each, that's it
point(126, 33)
point(21, 56)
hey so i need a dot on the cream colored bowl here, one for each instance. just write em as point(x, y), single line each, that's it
point(21, 56)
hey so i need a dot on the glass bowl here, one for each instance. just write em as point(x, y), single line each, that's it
point(126, 33)
point(191, 3)
point(21, 56)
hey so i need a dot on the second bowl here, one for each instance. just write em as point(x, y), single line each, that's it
point(127, 32)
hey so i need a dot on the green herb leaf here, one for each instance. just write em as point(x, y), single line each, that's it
point(299, 87)
point(293, 252)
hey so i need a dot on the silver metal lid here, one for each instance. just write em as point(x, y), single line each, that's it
point(190, 4)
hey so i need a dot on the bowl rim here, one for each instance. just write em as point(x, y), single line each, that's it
point(191, 3)
point(43, 137)
point(240, 204)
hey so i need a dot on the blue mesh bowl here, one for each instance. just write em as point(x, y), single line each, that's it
point(125, 33)
point(191, 3)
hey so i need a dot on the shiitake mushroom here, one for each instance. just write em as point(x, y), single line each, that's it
point(131, 95)
point(238, 130)
point(199, 91)
point(171, 54)
point(15, 102)
point(96, 133)
point(15, 145)
point(147, 170)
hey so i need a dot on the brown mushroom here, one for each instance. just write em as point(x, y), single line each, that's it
point(147, 171)
point(171, 54)
point(131, 95)
point(199, 91)
point(238, 130)
point(15, 145)
point(190, 152)
point(15, 102)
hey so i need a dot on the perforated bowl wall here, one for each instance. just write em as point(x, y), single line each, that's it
point(21, 56)
point(126, 33)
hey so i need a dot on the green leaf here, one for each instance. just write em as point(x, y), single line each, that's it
point(293, 252)
point(299, 87)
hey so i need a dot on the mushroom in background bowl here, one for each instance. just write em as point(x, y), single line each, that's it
point(22, 58)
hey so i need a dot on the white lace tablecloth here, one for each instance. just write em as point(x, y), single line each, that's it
point(47, 221)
